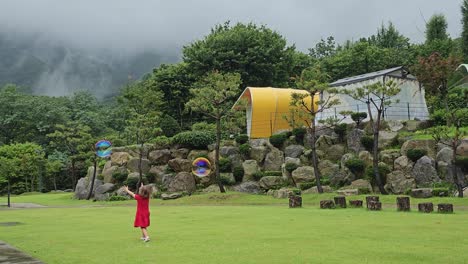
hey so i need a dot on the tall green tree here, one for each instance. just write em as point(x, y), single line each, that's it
point(377, 96)
point(260, 55)
point(389, 37)
point(436, 28)
point(315, 82)
point(464, 34)
point(143, 107)
point(213, 96)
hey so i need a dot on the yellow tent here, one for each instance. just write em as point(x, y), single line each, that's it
point(267, 108)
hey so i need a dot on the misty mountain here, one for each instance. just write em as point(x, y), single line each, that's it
point(47, 68)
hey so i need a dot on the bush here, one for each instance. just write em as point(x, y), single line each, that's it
point(324, 181)
point(415, 154)
point(273, 173)
point(169, 126)
point(258, 175)
point(296, 191)
point(238, 173)
point(120, 177)
point(117, 198)
point(383, 171)
point(244, 150)
point(278, 140)
point(356, 166)
point(161, 142)
point(290, 167)
point(204, 126)
point(242, 139)
point(306, 185)
point(195, 139)
point(132, 183)
point(439, 117)
point(224, 164)
point(367, 142)
point(440, 192)
point(340, 130)
point(226, 180)
point(358, 117)
point(299, 133)
point(363, 190)
point(462, 162)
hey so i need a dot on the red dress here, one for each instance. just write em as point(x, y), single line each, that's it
point(142, 217)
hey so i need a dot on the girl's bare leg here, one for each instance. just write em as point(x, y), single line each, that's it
point(144, 232)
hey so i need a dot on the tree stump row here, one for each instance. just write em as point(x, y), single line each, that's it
point(403, 204)
point(426, 207)
point(355, 203)
point(295, 201)
point(340, 201)
point(371, 199)
point(374, 206)
point(445, 208)
point(327, 204)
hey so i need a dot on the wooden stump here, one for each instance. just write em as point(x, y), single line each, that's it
point(371, 199)
point(403, 204)
point(425, 207)
point(340, 201)
point(327, 204)
point(355, 203)
point(295, 201)
point(374, 206)
point(445, 208)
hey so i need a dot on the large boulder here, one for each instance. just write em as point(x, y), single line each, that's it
point(227, 151)
point(398, 182)
point(250, 168)
point(386, 138)
point(160, 157)
point(279, 194)
point(158, 172)
point(366, 156)
point(421, 193)
point(328, 168)
point(83, 185)
point(303, 174)
point(334, 152)
point(180, 153)
point(395, 125)
point(271, 182)
point(403, 163)
point(109, 172)
point(170, 196)
point(132, 165)
point(193, 154)
point(445, 155)
point(345, 158)
point(360, 183)
point(324, 142)
point(293, 151)
point(182, 182)
point(180, 165)
point(248, 187)
point(258, 153)
point(354, 140)
point(260, 142)
point(424, 172)
point(389, 156)
point(120, 158)
point(341, 178)
point(273, 160)
point(325, 189)
point(426, 144)
point(462, 149)
point(103, 192)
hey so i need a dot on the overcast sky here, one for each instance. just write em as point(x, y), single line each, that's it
point(133, 25)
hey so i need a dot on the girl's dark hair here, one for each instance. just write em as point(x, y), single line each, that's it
point(145, 191)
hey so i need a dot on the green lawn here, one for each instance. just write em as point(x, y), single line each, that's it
point(235, 228)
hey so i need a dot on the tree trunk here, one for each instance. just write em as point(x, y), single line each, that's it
point(9, 191)
point(375, 151)
point(90, 193)
point(218, 142)
point(456, 179)
point(55, 182)
point(140, 170)
point(314, 158)
point(73, 175)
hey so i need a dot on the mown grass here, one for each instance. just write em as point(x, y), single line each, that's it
point(237, 234)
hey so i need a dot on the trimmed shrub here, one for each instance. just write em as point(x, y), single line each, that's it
point(415, 154)
point(225, 164)
point(244, 150)
point(383, 171)
point(117, 198)
point(356, 166)
point(440, 192)
point(195, 139)
point(238, 173)
point(272, 173)
point(299, 134)
point(226, 181)
point(439, 117)
point(204, 126)
point(306, 185)
point(363, 190)
point(161, 142)
point(169, 126)
point(324, 181)
point(367, 142)
point(462, 162)
point(340, 130)
point(358, 117)
point(258, 175)
point(242, 139)
point(132, 183)
point(120, 177)
point(290, 167)
point(278, 140)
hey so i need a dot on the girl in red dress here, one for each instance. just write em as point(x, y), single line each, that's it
point(142, 217)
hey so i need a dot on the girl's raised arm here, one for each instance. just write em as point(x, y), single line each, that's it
point(129, 192)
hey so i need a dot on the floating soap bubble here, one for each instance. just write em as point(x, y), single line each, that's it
point(103, 148)
point(201, 167)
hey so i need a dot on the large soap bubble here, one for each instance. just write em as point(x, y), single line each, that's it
point(103, 148)
point(201, 167)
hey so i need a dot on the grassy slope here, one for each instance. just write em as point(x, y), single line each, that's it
point(235, 234)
